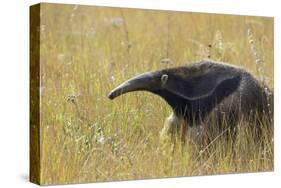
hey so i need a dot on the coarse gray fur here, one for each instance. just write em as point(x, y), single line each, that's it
point(203, 94)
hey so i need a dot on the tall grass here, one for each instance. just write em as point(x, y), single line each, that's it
point(87, 51)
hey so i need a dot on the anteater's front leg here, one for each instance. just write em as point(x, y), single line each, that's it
point(174, 127)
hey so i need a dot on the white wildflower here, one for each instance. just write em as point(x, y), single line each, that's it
point(117, 21)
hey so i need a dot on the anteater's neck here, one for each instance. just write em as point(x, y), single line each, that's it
point(192, 112)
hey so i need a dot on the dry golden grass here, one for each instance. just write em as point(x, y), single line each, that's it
point(87, 51)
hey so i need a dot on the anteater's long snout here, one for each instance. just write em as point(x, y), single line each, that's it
point(121, 89)
point(138, 83)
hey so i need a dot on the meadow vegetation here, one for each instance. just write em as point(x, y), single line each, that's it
point(87, 51)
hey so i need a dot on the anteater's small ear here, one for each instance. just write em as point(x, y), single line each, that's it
point(202, 86)
point(164, 79)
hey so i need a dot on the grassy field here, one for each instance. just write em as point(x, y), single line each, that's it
point(87, 51)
